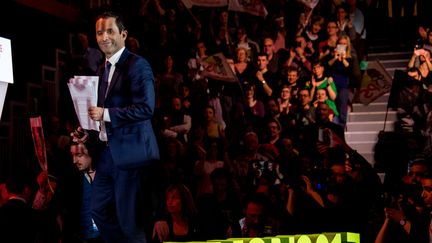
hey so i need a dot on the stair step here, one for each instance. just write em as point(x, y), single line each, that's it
point(365, 122)
point(370, 126)
point(382, 98)
point(374, 106)
point(363, 146)
point(359, 136)
point(390, 56)
point(398, 63)
point(371, 116)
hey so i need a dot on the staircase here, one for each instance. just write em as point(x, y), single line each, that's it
point(366, 121)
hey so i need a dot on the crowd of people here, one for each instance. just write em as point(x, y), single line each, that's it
point(263, 156)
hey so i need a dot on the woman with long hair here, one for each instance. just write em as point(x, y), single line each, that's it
point(340, 67)
point(179, 222)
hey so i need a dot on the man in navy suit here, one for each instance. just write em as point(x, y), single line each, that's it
point(128, 146)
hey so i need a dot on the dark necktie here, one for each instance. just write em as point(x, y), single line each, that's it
point(104, 83)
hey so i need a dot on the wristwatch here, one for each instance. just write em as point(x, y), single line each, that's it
point(263, 82)
point(402, 222)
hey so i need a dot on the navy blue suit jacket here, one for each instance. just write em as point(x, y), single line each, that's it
point(130, 100)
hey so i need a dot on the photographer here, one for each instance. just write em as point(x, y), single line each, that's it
point(300, 54)
point(351, 191)
point(421, 60)
point(409, 104)
point(405, 210)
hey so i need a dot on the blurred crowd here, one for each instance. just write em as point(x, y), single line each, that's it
point(265, 155)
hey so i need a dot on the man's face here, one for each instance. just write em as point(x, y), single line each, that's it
point(341, 13)
point(427, 192)
point(318, 70)
point(316, 28)
point(273, 129)
point(80, 156)
point(286, 93)
point(332, 28)
point(268, 46)
point(416, 173)
point(338, 173)
point(109, 37)
point(321, 95)
point(323, 111)
point(304, 97)
point(176, 103)
point(253, 214)
point(262, 62)
point(272, 107)
point(292, 77)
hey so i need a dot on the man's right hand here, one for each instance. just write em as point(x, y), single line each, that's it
point(79, 135)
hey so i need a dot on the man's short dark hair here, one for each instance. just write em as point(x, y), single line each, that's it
point(111, 14)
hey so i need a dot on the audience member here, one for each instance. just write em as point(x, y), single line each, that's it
point(255, 222)
point(300, 54)
point(17, 218)
point(272, 56)
point(320, 81)
point(179, 220)
point(250, 46)
point(243, 67)
point(265, 81)
point(177, 123)
point(82, 157)
point(220, 209)
point(327, 46)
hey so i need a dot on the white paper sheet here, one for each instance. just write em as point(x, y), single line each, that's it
point(83, 90)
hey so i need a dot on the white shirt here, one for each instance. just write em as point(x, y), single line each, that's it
point(106, 118)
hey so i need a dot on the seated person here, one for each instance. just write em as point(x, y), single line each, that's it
point(178, 222)
point(82, 156)
point(177, 122)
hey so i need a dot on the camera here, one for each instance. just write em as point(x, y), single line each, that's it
point(418, 46)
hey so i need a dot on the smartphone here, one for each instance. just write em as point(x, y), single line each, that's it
point(325, 136)
point(321, 134)
point(341, 49)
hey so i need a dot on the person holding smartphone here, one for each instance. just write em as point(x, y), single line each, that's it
point(340, 68)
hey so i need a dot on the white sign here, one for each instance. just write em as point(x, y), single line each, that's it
point(3, 88)
point(6, 74)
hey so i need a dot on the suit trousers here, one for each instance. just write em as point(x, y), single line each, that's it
point(117, 201)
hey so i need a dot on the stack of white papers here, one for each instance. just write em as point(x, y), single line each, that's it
point(84, 92)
